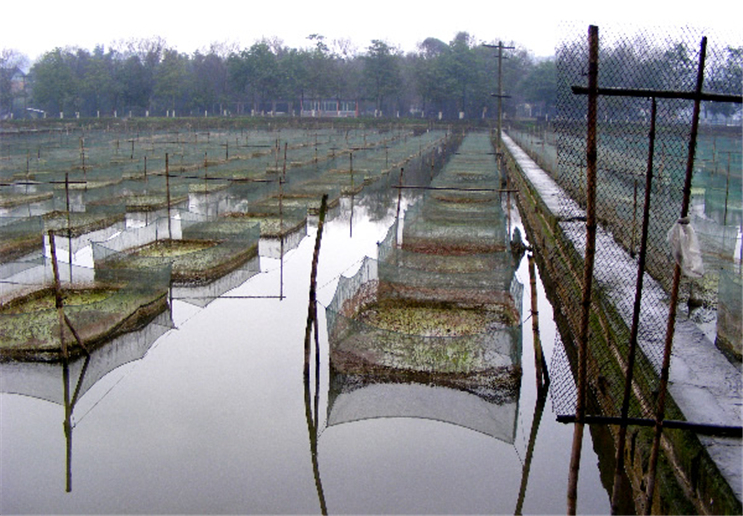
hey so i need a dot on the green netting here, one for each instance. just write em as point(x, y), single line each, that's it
point(20, 236)
point(729, 310)
point(461, 214)
point(100, 304)
point(198, 251)
point(418, 332)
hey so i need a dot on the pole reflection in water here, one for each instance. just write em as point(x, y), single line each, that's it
point(310, 411)
point(79, 376)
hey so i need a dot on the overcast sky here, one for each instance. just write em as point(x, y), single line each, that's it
point(37, 26)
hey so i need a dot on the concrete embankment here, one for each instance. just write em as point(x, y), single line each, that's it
point(697, 473)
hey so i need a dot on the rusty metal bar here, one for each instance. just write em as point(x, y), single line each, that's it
point(630, 366)
point(699, 428)
point(591, 156)
point(455, 189)
point(660, 94)
point(670, 328)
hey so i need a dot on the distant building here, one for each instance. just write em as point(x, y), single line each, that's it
point(330, 108)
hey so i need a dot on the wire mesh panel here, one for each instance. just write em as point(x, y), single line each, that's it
point(648, 61)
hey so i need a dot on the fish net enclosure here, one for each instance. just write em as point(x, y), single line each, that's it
point(198, 251)
point(138, 211)
point(99, 304)
point(461, 213)
point(649, 60)
point(437, 307)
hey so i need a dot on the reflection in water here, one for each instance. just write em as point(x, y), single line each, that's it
point(41, 379)
point(312, 413)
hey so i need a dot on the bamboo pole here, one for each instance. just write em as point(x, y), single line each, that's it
point(629, 369)
point(58, 301)
point(539, 361)
point(313, 284)
point(670, 328)
point(167, 192)
point(535, 422)
point(593, 65)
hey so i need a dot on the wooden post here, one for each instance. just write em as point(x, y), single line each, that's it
point(591, 154)
point(539, 360)
point(167, 192)
point(313, 285)
point(58, 302)
point(283, 168)
point(671, 326)
point(618, 486)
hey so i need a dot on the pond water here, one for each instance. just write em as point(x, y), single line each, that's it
point(214, 417)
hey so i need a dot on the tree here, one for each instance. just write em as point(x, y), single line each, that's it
point(540, 85)
point(54, 84)
point(171, 84)
point(381, 72)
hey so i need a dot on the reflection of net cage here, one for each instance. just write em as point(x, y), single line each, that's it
point(354, 398)
point(198, 251)
point(99, 304)
point(45, 380)
point(647, 60)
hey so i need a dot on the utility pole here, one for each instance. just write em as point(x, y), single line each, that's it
point(500, 95)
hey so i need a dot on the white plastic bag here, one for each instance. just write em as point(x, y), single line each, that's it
point(685, 248)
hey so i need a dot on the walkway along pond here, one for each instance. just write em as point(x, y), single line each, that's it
point(701, 469)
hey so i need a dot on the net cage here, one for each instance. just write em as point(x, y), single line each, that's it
point(73, 231)
point(449, 316)
point(198, 251)
point(462, 213)
point(99, 304)
point(652, 59)
point(380, 330)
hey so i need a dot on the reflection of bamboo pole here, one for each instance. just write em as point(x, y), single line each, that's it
point(281, 266)
point(312, 420)
point(670, 328)
point(593, 63)
point(69, 406)
point(536, 420)
point(67, 425)
point(629, 369)
point(539, 361)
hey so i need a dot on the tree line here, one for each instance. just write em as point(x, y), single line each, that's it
point(147, 76)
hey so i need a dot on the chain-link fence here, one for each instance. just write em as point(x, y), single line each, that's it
point(644, 60)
